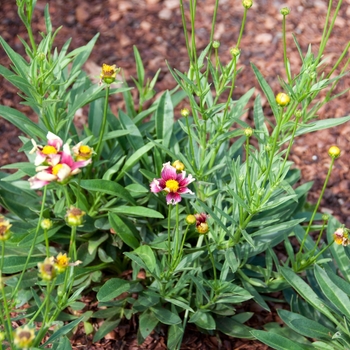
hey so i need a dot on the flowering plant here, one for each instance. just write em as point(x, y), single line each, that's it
point(86, 214)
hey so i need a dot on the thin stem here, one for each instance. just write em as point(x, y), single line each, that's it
point(247, 165)
point(72, 244)
point(190, 140)
point(8, 329)
point(169, 238)
point(47, 244)
point(33, 244)
point(183, 17)
point(242, 27)
point(210, 256)
point(176, 241)
point(316, 207)
point(103, 126)
point(286, 66)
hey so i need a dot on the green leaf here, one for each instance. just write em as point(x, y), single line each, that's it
point(305, 326)
point(334, 294)
point(164, 118)
point(107, 326)
point(112, 289)
point(109, 187)
point(68, 327)
point(267, 90)
point(277, 341)
point(147, 322)
point(137, 211)
point(203, 320)
point(14, 263)
point(165, 316)
point(146, 254)
point(139, 66)
point(233, 328)
point(22, 122)
point(133, 159)
point(127, 235)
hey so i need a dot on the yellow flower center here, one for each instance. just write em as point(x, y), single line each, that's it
point(49, 150)
point(56, 168)
point(172, 185)
point(108, 70)
point(84, 149)
point(62, 260)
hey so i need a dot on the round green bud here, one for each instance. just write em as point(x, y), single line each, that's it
point(185, 112)
point(235, 51)
point(325, 217)
point(248, 132)
point(216, 44)
point(247, 4)
point(285, 11)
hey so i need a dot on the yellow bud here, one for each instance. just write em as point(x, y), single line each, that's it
point(334, 152)
point(247, 4)
point(46, 224)
point(74, 217)
point(282, 99)
point(185, 112)
point(203, 228)
point(248, 132)
point(191, 219)
point(179, 166)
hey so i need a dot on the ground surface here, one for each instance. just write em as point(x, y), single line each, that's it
point(154, 26)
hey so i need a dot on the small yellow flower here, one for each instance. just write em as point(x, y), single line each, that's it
point(334, 152)
point(179, 166)
point(190, 219)
point(46, 224)
point(82, 152)
point(74, 216)
point(341, 236)
point(203, 228)
point(5, 226)
point(47, 269)
point(24, 337)
point(282, 99)
point(185, 112)
point(109, 73)
point(61, 262)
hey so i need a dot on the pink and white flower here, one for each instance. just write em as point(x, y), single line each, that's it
point(175, 184)
point(49, 154)
point(60, 172)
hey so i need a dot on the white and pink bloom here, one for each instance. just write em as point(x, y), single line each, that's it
point(54, 164)
point(175, 184)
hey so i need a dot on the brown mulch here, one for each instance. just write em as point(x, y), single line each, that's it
point(154, 26)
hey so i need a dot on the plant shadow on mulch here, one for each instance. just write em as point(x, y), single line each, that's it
point(154, 26)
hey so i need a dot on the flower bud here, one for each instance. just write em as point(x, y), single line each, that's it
point(109, 73)
point(202, 228)
point(285, 11)
point(298, 113)
point(216, 44)
point(5, 226)
point(40, 56)
point(61, 262)
point(247, 4)
point(235, 51)
point(325, 217)
point(248, 132)
point(46, 224)
point(24, 337)
point(185, 112)
point(179, 166)
point(74, 216)
point(282, 99)
point(334, 152)
point(190, 219)
point(47, 269)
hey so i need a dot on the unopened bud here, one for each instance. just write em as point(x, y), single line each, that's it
point(185, 112)
point(235, 51)
point(282, 99)
point(334, 152)
point(285, 11)
point(248, 132)
point(216, 44)
point(247, 4)
point(179, 166)
point(190, 219)
point(46, 224)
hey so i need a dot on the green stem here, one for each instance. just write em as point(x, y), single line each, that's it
point(247, 166)
point(285, 50)
point(47, 244)
point(33, 244)
point(316, 207)
point(176, 240)
point(8, 329)
point(169, 237)
point(72, 244)
point(242, 27)
point(211, 257)
point(185, 30)
point(103, 126)
point(190, 140)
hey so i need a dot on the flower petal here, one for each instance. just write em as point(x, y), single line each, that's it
point(155, 186)
point(183, 190)
point(36, 184)
point(186, 181)
point(173, 198)
point(168, 172)
point(54, 140)
point(64, 172)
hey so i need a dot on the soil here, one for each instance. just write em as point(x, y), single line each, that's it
point(154, 26)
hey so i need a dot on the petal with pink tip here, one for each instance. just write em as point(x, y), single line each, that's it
point(64, 172)
point(155, 187)
point(186, 181)
point(168, 172)
point(46, 176)
point(54, 140)
point(66, 157)
point(36, 184)
point(173, 198)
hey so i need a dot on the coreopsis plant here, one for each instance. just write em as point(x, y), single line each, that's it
point(197, 253)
